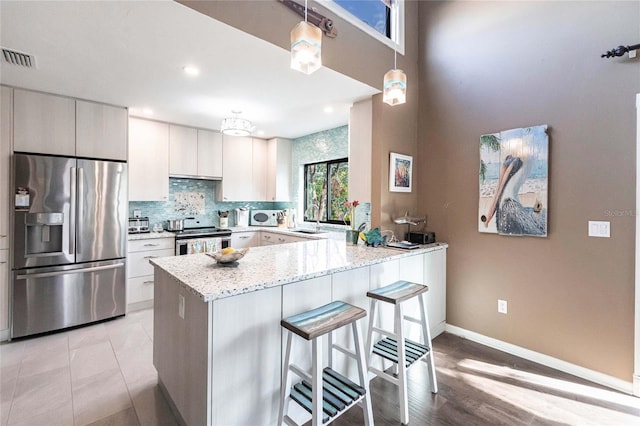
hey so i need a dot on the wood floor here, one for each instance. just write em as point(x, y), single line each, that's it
point(102, 375)
point(482, 386)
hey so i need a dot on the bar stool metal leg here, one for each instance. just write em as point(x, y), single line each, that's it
point(316, 345)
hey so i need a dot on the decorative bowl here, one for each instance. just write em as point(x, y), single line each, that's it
point(229, 257)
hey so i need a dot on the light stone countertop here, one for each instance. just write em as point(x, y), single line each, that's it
point(275, 265)
point(150, 236)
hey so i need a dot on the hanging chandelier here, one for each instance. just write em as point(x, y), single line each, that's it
point(236, 126)
point(306, 46)
point(394, 88)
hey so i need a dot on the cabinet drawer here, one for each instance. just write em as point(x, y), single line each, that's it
point(139, 289)
point(152, 244)
point(138, 262)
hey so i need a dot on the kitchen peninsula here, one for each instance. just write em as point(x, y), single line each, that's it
point(217, 335)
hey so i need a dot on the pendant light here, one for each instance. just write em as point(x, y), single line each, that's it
point(236, 126)
point(306, 46)
point(394, 90)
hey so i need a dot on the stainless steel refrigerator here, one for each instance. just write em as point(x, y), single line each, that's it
point(69, 242)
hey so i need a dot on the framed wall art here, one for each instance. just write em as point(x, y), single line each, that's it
point(400, 177)
point(514, 167)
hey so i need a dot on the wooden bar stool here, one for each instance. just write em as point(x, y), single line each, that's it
point(338, 392)
point(408, 350)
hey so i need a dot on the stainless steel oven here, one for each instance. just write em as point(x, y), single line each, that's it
point(199, 240)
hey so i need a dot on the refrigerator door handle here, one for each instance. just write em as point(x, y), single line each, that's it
point(72, 271)
point(72, 213)
point(80, 208)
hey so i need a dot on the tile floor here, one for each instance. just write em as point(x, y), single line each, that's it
point(97, 375)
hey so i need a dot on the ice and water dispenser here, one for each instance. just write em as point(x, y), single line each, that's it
point(43, 234)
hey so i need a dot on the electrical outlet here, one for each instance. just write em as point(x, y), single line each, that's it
point(181, 306)
point(502, 306)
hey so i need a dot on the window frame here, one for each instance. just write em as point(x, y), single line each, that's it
point(396, 41)
point(304, 193)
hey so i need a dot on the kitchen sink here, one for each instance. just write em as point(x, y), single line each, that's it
point(308, 231)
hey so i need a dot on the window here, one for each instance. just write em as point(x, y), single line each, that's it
point(375, 18)
point(374, 13)
point(326, 188)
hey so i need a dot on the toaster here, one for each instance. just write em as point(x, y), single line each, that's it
point(138, 225)
point(421, 237)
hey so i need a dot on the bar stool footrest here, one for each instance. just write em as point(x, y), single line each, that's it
point(388, 349)
point(338, 394)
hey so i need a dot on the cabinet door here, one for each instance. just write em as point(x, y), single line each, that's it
point(237, 168)
point(183, 151)
point(435, 276)
point(148, 160)
point(101, 131)
point(5, 164)
point(259, 170)
point(44, 124)
point(209, 153)
point(245, 239)
point(278, 170)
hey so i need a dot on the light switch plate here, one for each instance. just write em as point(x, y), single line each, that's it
point(599, 229)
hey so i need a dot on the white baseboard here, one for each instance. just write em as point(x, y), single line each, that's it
point(549, 361)
point(132, 307)
point(4, 335)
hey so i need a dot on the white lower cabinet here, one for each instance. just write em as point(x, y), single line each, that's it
point(240, 240)
point(270, 238)
point(140, 280)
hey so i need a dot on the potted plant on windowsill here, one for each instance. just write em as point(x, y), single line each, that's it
point(352, 233)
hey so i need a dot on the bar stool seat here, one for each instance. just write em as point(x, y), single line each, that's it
point(388, 347)
point(338, 392)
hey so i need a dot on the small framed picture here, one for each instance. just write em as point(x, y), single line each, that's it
point(400, 167)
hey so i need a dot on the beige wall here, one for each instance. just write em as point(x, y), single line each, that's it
point(491, 66)
point(361, 57)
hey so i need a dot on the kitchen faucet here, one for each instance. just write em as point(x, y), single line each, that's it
point(311, 207)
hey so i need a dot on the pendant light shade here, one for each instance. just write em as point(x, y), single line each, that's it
point(394, 87)
point(236, 126)
point(306, 47)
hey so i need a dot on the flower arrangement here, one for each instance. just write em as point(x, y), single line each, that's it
point(351, 215)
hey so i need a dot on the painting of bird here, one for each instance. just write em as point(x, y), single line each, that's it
point(513, 182)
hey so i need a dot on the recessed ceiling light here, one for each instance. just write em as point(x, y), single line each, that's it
point(191, 70)
point(328, 110)
point(147, 111)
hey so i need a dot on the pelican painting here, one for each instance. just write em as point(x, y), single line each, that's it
point(513, 182)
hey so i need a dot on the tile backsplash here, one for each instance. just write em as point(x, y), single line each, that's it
point(195, 198)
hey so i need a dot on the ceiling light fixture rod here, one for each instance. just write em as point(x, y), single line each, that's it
point(310, 15)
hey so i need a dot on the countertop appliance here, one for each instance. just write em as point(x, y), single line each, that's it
point(421, 237)
point(69, 242)
point(264, 217)
point(242, 217)
point(190, 238)
point(139, 225)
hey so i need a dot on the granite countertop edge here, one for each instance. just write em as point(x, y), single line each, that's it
point(209, 296)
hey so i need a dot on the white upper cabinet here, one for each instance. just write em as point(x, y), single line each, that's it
point(183, 151)
point(101, 131)
point(209, 153)
point(148, 160)
point(259, 172)
point(50, 124)
point(44, 124)
point(5, 166)
point(237, 180)
point(195, 152)
point(278, 170)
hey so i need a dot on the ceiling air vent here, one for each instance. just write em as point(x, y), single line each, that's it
point(18, 58)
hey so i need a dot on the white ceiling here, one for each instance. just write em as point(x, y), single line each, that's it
point(131, 53)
